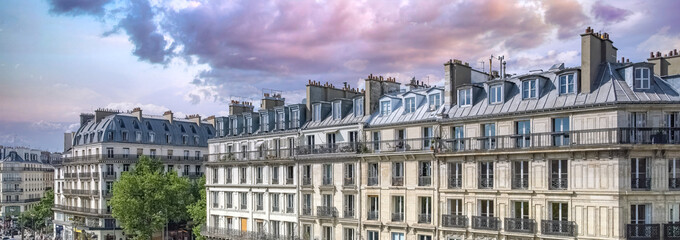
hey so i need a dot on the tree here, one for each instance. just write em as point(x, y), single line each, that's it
point(147, 198)
point(198, 210)
point(36, 217)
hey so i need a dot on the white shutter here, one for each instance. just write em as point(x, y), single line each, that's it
point(673, 212)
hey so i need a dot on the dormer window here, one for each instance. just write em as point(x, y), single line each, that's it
point(165, 126)
point(337, 113)
point(265, 122)
point(359, 107)
point(465, 97)
point(435, 101)
point(193, 129)
point(317, 113)
point(496, 94)
point(148, 126)
point(410, 105)
point(181, 128)
point(152, 137)
point(567, 83)
point(249, 125)
point(529, 89)
point(121, 123)
point(385, 108)
point(295, 119)
point(234, 126)
point(281, 120)
point(135, 124)
point(641, 78)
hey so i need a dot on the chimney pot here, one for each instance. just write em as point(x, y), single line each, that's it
point(658, 54)
point(675, 52)
point(627, 60)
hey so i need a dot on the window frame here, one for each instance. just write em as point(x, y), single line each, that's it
point(642, 79)
point(496, 94)
point(409, 104)
point(385, 107)
point(567, 84)
point(434, 104)
point(465, 97)
point(532, 91)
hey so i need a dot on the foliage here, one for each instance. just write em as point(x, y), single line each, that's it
point(197, 210)
point(147, 198)
point(36, 217)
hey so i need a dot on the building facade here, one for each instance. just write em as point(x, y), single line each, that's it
point(24, 179)
point(586, 152)
point(108, 144)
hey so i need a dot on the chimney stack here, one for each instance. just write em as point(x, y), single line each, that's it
point(375, 87)
point(271, 100)
point(137, 112)
point(168, 116)
point(195, 118)
point(455, 74)
point(667, 65)
point(236, 107)
point(595, 49)
point(101, 113)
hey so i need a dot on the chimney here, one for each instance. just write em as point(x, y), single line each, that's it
point(101, 113)
point(236, 107)
point(455, 74)
point(595, 49)
point(168, 116)
point(137, 112)
point(211, 119)
point(68, 141)
point(375, 88)
point(666, 65)
point(195, 118)
point(271, 100)
point(325, 92)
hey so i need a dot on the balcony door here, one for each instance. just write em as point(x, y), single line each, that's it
point(523, 131)
point(641, 214)
point(486, 175)
point(520, 178)
point(397, 236)
point(401, 137)
point(559, 211)
point(455, 174)
point(637, 120)
point(489, 132)
point(561, 131)
point(672, 122)
point(639, 169)
point(486, 208)
point(559, 174)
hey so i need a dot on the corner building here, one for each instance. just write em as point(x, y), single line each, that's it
point(587, 152)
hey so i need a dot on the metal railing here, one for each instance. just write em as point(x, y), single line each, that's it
point(132, 157)
point(99, 211)
point(405, 145)
point(348, 182)
point(398, 217)
point(455, 182)
point(289, 181)
point(258, 180)
point(258, 207)
point(193, 174)
point(228, 233)
point(520, 182)
point(671, 231)
point(307, 210)
point(643, 231)
point(559, 183)
point(372, 181)
point(554, 227)
point(348, 213)
point(486, 183)
point(107, 193)
point(84, 175)
point(275, 181)
point(372, 215)
point(290, 209)
point(640, 183)
point(244, 206)
point(486, 223)
point(674, 183)
point(12, 190)
point(327, 181)
point(109, 175)
point(307, 181)
point(12, 179)
point(424, 181)
point(458, 221)
point(397, 181)
point(349, 147)
point(523, 225)
point(265, 154)
point(424, 218)
point(242, 180)
point(326, 211)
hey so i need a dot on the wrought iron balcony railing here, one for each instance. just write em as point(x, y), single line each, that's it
point(424, 218)
point(643, 231)
point(230, 233)
point(372, 215)
point(559, 183)
point(109, 175)
point(307, 181)
point(554, 227)
point(641, 183)
point(131, 157)
point(327, 181)
point(397, 181)
point(348, 213)
point(486, 223)
point(455, 182)
point(671, 231)
point(306, 210)
point(424, 181)
point(349, 148)
point(486, 183)
point(326, 211)
point(348, 182)
point(290, 209)
point(265, 154)
point(457, 221)
point(372, 181)
point(520, 182)
point(674, 183)
point(289, 181)
point(405, 145)
point(522, 225)
point(398, 217)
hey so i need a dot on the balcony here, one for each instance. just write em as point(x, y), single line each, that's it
point(307, 181)
point(96, 211)
point(327, 181)
point(348, 213)
point(244, 206)
point(306, 210)
point(520, 182)
point(325, 211)
point(109, 175)
point(275, 208)
point(456, 221)
point(398, 217)
point(372, 215)
point(95, 175)
point(485, 183)
point(561, 228)
point(674, 183)
point(521, 225)
point(258, 180)
point(11, 179)
point(348, 148)
point(290, 210)
point(455, 183)
point(289, 181)
point(405, 145)
point(424, 181)
point(231, 233)
point(99, 158)
point(372, 181)
point(193, 175)
point(242, 180)
point(559, 183)
point(85, 175)
point(486, 223)
point(397, 181)
point(643, 184)
point(12, 190)
point(265, 154)
point(275, 181)
point(671, 231)
point(643, 231)
point(425, 218)
point(348, 182)
point(258, 207)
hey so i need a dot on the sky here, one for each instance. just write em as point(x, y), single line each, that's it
point(60, 58)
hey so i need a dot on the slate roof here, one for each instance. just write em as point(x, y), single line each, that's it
point(13, 157)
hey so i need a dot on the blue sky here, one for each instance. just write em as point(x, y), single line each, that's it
point(59, 58)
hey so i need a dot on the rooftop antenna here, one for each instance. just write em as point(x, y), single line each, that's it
point(483, 67)
point(500, 65)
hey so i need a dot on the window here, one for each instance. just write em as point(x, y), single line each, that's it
point(126, 152)
point(310, 140)
point(248, 128)
point(639, 169)
point(424, 237)
point(455, 171)
point(168, 138)
point(258, 175)
point(373, 174)
point(529, 89)
point(244, 200)
point(327, 233)
point(674, 213)
point(485, 175)
point(264, 122)
point(327, 174)
point(559, 211)
point(425, 210)
point(337, 110)
point(317, 112)
point(465, 97)
point(186, 154)
point(109, 136)
point(359, 107)
point(672, 122)
point(427, 137)
point(295, 118)
point(372, 235)
point(124, 135)
point(559, 174)
point(349, 206)
point(486, 208)
point(567, 83)
point(496, 94)
point(397, 236)
point(385, 108)
point(275, 202)
point(641, 78)
point(520, 176)
point(373, 207)
point(275, 175)
point(376, 141)
point(397, 208)
point(638, 120)
point(330, 140)
point(290, 202)
point(242, 175)
point(348, 233)
point(489, 133)
point(152, 153)
point(349, 174)
point(435, 101)
point(523, 132)
point(307, 231)
point(275, 228)
point(410, 105)
point(126, 167)
point(519, 210)
point(398, 174)
point(561, 131)
point(454, 207)
point(109, 152)
point(640, 214)
point(281, 120)
point(674, 174)
point(424, 173)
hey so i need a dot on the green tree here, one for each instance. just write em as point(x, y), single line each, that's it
point(147, 198)
point(197, 210)
point(36, 218)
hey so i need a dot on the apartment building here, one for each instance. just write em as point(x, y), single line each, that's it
point(108, 144)
point(586, 152)
point(24, 180)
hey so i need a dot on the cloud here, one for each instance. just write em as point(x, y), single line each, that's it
point(567, 15)
point(45, 125)
point(151, 109)
point(356, 64)
point(77, 7)
point(609, 13)
point(662, 41)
